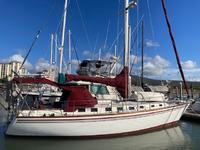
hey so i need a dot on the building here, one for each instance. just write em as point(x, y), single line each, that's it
point(7, 70)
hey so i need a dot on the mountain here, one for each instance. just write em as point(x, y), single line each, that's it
point(172, 83)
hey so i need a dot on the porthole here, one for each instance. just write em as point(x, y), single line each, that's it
point(108, 109)
point(131, 108)
point(94, 109)
point(119, 108)
point(141, 107)
point(81, 109)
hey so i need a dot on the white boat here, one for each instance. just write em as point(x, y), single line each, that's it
point(95, 107)
point(97, 124)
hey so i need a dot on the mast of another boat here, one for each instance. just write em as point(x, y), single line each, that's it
point(55, 48)
point(127, 5)
point(63, 36)
point(51, 56)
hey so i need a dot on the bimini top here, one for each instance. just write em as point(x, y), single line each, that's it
point(94, 67)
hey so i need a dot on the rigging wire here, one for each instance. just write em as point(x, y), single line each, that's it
point(119, 34)
point(84, 26)
point(118, 11)
point(74, 48)
point(134, 60)
point(150, 20)
point(43, 25)
point(105, 43)
point(32, 44)
point(137, 18)
point(95, 46)
point(136, 27)
point(135, 39)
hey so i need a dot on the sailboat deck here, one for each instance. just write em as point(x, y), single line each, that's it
point(101, 109)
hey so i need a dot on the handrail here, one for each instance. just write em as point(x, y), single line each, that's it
point(103, 108)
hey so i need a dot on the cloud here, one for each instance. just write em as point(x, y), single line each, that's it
point(190, 69)
point(190, 74)
point(18, 58)
point(87, 53)
point(74, 64)
point(41, 65)
point(134, 59)
point(189, 65)
point(158, 67)
point(151, 43)
point(155, 66)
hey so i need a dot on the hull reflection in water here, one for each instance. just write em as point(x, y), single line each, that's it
point(3, 115)
point(172, 138)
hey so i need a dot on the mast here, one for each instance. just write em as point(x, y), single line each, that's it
point(142, 71)
point(70, 54)
point(174, 46)
point(56, 48)
point(126, 34)
point(129, 45)
point(127, 6)
point(116, 60)
point(100, 54)
point(51, 53)
point(63, 36)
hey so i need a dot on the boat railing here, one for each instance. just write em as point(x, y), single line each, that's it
point(116, 106)
point(103, 106)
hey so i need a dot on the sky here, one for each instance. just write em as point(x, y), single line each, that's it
point(95, 25)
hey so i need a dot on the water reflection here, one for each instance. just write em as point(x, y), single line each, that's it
point(3, 118)
point(172, 138)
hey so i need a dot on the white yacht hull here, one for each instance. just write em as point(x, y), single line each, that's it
point(98, 125)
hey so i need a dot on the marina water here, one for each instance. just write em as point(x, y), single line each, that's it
point(186, 136)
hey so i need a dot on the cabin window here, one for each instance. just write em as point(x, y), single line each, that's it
point(108, 109)
point(152, 105)
point(99, 89)
point(160, 104)
point(141, 107)
point(81, 110)
point(94, 109)
point(131, 108)
point(119, 108)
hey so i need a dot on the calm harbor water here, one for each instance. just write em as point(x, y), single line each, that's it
point(186, 136)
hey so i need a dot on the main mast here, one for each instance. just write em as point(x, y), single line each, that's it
point(63, 36)
point(127, 6)
point(142, 72)
point(126, 34)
